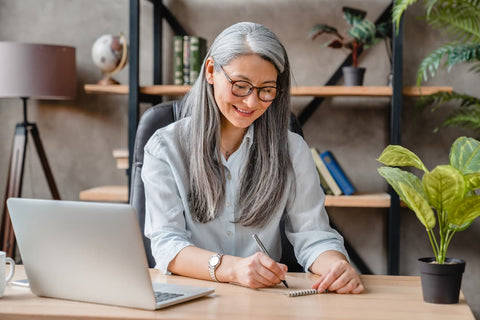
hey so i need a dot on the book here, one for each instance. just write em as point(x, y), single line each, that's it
point(298, 286)
point(186, 59)
point(188, 55)
point(178, 60)
point(323, 183)
point(337, 172)
point(198, 50)
point(325, 173)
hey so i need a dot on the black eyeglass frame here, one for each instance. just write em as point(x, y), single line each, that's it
point(232, 82)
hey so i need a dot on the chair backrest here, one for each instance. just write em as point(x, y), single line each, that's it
point(160, 116)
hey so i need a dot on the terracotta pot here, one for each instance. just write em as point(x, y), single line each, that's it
point(441, 282)
point(353, 76)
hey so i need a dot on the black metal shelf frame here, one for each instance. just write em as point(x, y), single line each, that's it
point(161, 12)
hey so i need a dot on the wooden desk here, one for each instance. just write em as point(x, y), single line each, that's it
point(386, 297)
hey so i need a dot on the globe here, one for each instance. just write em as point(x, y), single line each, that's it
point(109, 53)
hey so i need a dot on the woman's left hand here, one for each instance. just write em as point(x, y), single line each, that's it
point(339, 276)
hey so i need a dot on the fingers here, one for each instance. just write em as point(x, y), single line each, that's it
point(271, 271)
point(352, 286)
point(261, 271)
point(341, 278)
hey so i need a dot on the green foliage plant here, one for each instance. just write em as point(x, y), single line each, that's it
point(458, 20)
point(362, 35)
point(445, 197)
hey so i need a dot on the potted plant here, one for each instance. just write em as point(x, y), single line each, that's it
point(362, 35)
point(445, 202)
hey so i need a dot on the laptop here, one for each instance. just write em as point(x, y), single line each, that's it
point(91, 252)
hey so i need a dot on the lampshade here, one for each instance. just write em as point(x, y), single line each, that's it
point(37, 71)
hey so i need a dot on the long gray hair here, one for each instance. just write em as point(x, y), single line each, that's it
point(269, 170)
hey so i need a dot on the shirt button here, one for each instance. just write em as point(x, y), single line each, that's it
point(229, 233)
point(229, 176)
point(228, 204)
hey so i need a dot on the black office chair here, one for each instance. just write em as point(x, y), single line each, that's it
point(157, 117)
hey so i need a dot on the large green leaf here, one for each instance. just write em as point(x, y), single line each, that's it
point(398, 156)
point(419, 205)
point(395, 175)
point(444, 186)
point(464, 213)
point(409, 188)
point(473, 180)
point(465, 155)
point(353, 16)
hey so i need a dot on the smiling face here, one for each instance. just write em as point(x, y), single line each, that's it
point(240, 112)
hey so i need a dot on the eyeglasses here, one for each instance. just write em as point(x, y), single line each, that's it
point(243, 88)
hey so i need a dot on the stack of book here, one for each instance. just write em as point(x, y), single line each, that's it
point(188, 55)
point(333, 179)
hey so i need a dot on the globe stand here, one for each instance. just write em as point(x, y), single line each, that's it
point(107, 81)
point(15, 176)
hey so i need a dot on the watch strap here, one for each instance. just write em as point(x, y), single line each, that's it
point(212, 269)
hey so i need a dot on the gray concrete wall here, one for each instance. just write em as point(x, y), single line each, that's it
point(79, 135)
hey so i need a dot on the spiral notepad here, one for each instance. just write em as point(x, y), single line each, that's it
point(298, 293)
point(298, 285)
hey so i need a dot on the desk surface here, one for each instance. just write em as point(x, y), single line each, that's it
point(386, 297)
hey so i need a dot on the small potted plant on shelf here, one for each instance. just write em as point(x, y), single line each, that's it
point(445, 202)
point(362, 35)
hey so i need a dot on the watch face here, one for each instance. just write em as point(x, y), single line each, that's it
point(214, 260)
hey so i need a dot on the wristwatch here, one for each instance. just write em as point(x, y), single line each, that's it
point(213, 264)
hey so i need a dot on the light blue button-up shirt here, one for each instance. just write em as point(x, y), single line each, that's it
point(169, 225)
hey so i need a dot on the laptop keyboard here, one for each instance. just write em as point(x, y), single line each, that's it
point(163, 296)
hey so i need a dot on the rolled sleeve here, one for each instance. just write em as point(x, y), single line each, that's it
point(164, 210)
point(307, 223)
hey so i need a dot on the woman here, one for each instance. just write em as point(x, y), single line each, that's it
point(230, 169)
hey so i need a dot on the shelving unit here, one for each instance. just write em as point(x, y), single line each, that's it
point(137, 94)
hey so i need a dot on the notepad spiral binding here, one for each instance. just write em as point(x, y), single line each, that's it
point(298, 293)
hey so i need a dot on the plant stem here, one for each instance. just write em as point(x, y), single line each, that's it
point(354, 54)
point(433, 242)
point(449, 237)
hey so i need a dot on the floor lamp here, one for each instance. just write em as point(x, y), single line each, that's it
point(34, 71)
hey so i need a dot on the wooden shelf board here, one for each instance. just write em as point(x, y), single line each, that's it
point(120, 153)
point(105, 194)
point(371, 200)
point(120, 194)
point(322, 91)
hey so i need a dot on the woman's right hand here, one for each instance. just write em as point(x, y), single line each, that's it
point(256, 271)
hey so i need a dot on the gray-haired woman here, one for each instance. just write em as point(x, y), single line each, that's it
point(230, 169)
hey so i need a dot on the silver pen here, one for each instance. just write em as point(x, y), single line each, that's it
point(264, 250)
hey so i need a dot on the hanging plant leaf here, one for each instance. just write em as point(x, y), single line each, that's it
point(320, 29)
point(353, 15)
point(364, 32)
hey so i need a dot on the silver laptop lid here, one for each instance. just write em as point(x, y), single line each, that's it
point(83, 251)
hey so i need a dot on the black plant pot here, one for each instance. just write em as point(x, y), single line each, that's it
point(353, 76)
point(441, 282)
